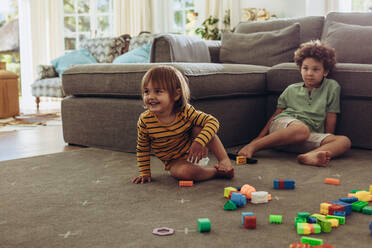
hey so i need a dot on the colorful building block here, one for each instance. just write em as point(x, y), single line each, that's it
point(246, 214)
point(311, 220)
point(303, 215)
point(363, 196)
point(370, 226)
point(370, 189)
point(250, 222)
point(359, 205)
point(284, 184)
point(183, 183)
point(323, 246)
point(325, 225)
point(231, 193)
point(241, 160)
point(311, 241)
point(247, 190)
point(334, 222)
point(349, 199)
point(307, 228)
point(204, 225)
point(339, 213)
point(259, 197)
point(277, 219)
point(299, 245)
point(324, 208)
point(367, 210)
point(299, 220)
point(229, 205)
point(227, 190)
point(333, 181)
point(239, 199)
point(340, 219)
point(346, 207)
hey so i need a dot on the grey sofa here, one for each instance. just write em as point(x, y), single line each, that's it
point(105, 100)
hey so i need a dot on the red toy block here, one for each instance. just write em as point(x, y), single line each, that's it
point(250, 222)
point(183, 183)
point(324, 246)
point(231, 193)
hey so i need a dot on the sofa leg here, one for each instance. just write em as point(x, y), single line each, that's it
point(37, 100)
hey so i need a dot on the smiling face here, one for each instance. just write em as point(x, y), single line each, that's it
point(158, 100)
point(312, 72)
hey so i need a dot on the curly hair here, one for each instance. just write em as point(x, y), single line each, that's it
point(171, 79)
point(317, 50)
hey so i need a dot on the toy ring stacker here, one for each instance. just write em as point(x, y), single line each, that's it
point(163, 231)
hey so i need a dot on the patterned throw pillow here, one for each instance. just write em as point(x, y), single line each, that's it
point(119, 46)
point(100, 48)
point(46, 71)
point(141, 40)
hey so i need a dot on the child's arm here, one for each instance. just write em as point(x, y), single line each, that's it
point(265, 130)
point(330, 123)
point(143, 154)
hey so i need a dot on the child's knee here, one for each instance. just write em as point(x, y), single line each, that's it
point(181, 171)
point(302, 132)
point(345, 141)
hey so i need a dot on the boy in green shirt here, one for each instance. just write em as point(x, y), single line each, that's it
point(306, 114)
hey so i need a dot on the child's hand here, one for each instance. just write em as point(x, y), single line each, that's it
point(196, 152)
point(141, 179)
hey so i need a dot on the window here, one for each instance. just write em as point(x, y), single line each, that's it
point(361, 5)
point(84, 19)
point(184, 16)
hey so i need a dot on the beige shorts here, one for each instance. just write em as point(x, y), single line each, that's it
point(314, 140)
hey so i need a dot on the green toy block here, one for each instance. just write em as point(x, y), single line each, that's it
point(299, 220)
point(311, 241)
point(340, 219)
point(204, 225)
point(303, 215)
point(277, 219)
point(324, 224)
point(367, 210)
point(358, 205)
point(229, 205)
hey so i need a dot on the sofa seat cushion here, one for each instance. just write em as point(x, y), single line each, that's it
point(47, 87)
point(355, 79)
point(206, 80)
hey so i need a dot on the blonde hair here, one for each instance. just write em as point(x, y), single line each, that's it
point(170, 79)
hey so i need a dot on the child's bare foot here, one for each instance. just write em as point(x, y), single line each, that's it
point(224, 169)
point(247, 151)
point(318, 158)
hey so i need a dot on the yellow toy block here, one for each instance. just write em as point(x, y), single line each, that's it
point(318, 215)
point(241, 159)
point(370, 189)
point(227, 191)
point(307, 229)
point(334, 222)
point(324, 208)
point(363, 195)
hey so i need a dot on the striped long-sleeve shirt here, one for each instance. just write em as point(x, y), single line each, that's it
point(171, 141)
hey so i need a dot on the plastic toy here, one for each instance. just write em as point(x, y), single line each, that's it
point(340, 219)
point(349, 199)
point(229, 205)
point(303, 215)
point(241, 159)
point(204, 225)
point(259, 197)
point(247, 190)
point(246, 214)
point(183, 183)
point(227, 191)
point(325, 225)
point(239, 199)
point(346, 207)
point(307, 228)
point(250, 222)
point(163, 231)
point(358, 205)
point(277, 219)
point(284, 184)
point(299, 245)
point(311, 241)
point(363, 196)
point(333, 181)
point(367, 210)
point(370, 226)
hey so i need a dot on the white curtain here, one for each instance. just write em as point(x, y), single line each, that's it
point(132, 17)
point(217, 8)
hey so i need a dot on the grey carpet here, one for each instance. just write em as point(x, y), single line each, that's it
point(84, 198)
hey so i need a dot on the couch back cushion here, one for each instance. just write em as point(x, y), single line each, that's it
point(260, 48)
point(104, 50)
point(311, 26)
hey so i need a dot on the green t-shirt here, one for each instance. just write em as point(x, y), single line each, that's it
point(311, 109)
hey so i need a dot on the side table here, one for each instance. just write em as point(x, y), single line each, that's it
point(9, 97)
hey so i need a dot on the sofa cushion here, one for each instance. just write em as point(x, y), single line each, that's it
point(75, 57)
point(354, 79)
point(351, 42)
point(137, 55)
point(311, 26)
point(206, 80)
point(261, 48)
point(100, 48)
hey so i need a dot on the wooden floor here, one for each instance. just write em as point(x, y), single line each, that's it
point(38, 141)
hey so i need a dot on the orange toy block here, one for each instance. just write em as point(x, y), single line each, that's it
point(333, 181)
point(183, 183)
point(241, 159)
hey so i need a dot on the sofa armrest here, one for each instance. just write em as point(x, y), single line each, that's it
point(179, 48)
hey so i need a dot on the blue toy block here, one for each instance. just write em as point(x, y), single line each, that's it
point(347, 206)
point(276, 184)
point(246, 214)
point(239, 199)
point(339, 213)
point(311, 220)
point(370, 226)
point(349, 199)
point(289, 184)
point(238, 188)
